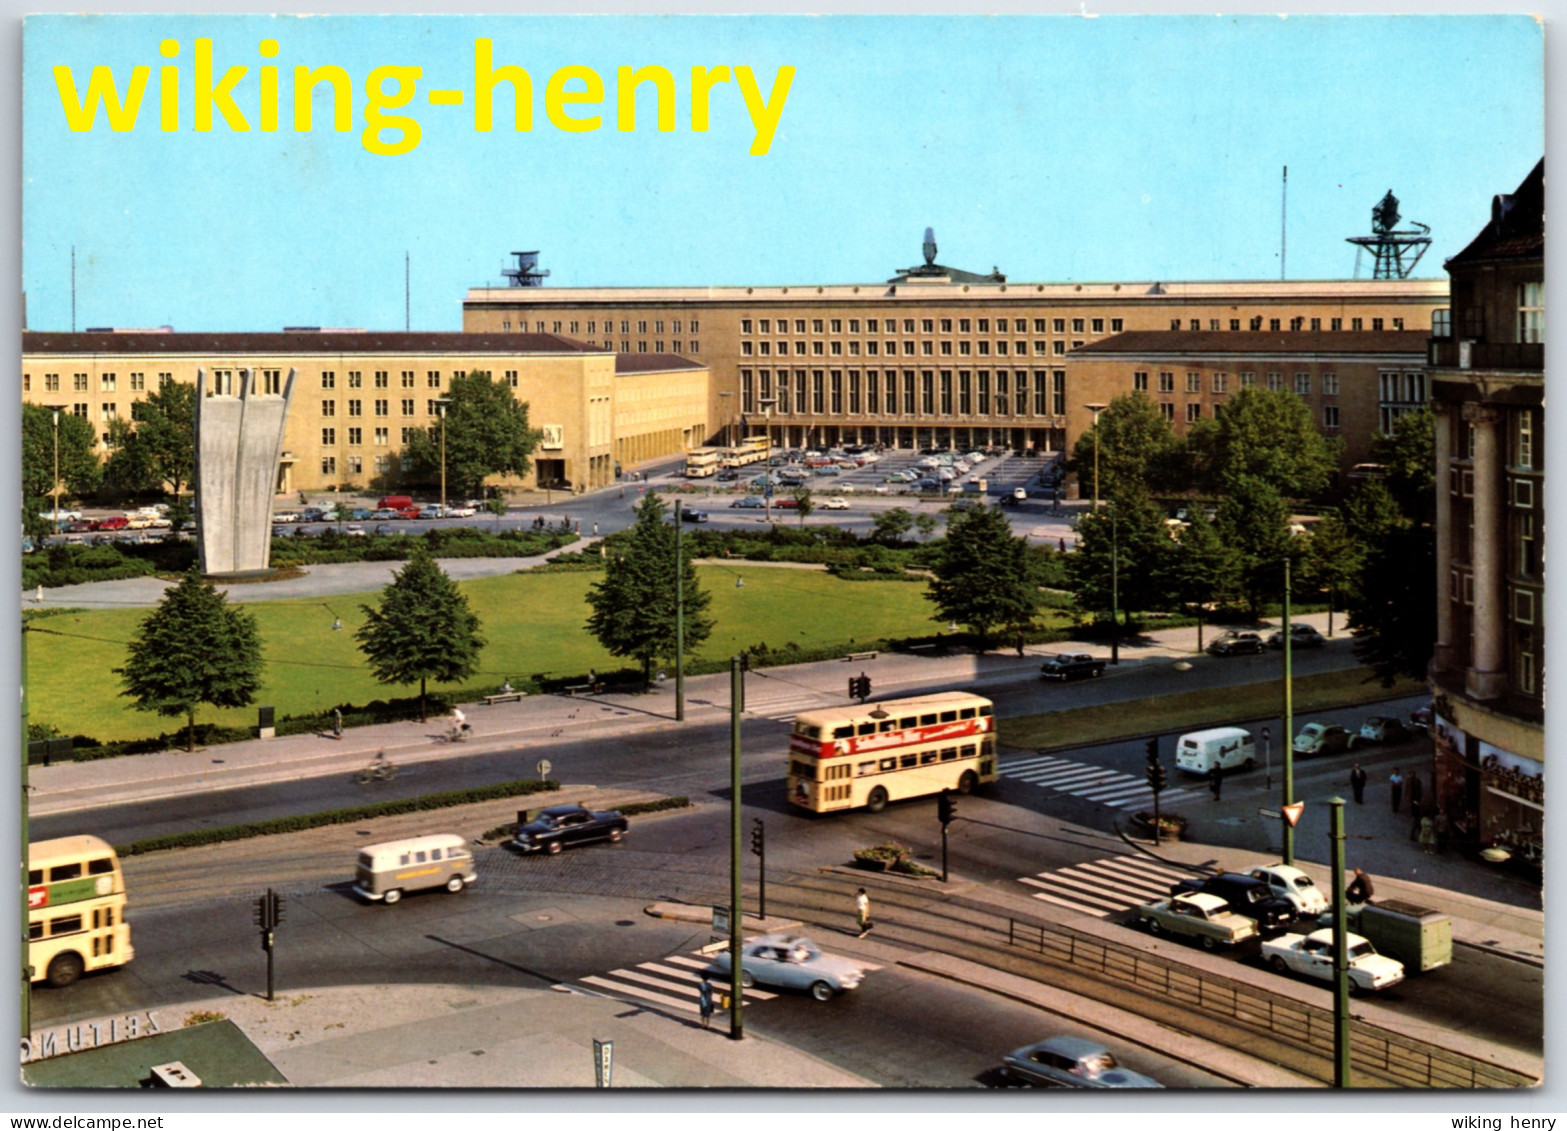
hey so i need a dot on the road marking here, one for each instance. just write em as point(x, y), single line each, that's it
point(633, 991)
point(1106, 886)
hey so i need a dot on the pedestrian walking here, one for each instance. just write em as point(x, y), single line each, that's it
point(1359, 889)
point(862, 912)
point(1215, 781)
point(595, 530)
point(1061, 544)
point(1357, 782)
point(1414, 816)
point(704, 1001)
point(1428, 836)
point(1395, 781)
point(1416, 790)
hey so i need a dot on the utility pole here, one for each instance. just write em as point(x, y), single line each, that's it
point(1115, 582)
point(1287, 738)
point(27, 958)
point(440, 407)
point(680, 622)
point(56, 412)
point(407, 300)
point(1341, 1069)
point(736, 896)
point(1096, 409)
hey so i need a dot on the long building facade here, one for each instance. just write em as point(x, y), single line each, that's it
point(934, 357)
point(1487, 367)
point(359, 395)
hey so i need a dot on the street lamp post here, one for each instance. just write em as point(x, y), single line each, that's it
point(1096, 409)
point(56, 484)
point(1115, 584)
point(440, 409)
point(1289, 722)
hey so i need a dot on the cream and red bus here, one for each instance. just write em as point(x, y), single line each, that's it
point(865, 756)
point(75, 909)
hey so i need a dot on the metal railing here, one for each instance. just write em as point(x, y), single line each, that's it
point(1390, 1055)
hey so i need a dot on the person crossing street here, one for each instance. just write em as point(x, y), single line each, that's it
point(862, 912)
point(1357, 783)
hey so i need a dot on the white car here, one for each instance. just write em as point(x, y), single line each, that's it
point(138, 521)
point(354, 530)
point(1312, 955)
point(1292, 884)
point(65, 515)
point(462, 512)
point(835, 504)
point(285, 516)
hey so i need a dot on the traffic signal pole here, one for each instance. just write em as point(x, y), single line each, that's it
point(736, 897)
point(680, 622)
point(1288, 738)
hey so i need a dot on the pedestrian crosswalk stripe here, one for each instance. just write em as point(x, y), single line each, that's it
point(1106, 886)
point(635, 991)
point(1092, 783)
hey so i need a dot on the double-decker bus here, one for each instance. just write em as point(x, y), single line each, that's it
point(75, 909)
point(865, 756)
point(752, 449)
point(701, 463)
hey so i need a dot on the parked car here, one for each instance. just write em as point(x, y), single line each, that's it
point(787, 504)
point(354, 530)
point(1207, 918)
point(1019, 493)
point(80, 526)
point(1236, 644)
point(728, 475)
point(360, 514)
point(1312, 955)
point(1321, 738)
point(694, 516)
point(750, 502)
point(113, 522)
point(1244, 895)
point(1071, 1062)
point(1301, 636)
point(1381, 730)
point(835, 504)
point(138, 522)
point(1072, 665)
point(285, 516)
point(408, 513)
point(562, 825)
point(314, 514)
point(794, 963)
point(1292, 884)
point(66, 515)
point(830, 469)
point(1420, 717)
point(434, 510)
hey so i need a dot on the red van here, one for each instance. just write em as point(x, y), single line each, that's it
point(395, 502)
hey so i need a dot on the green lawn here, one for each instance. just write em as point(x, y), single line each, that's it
point(535, 623)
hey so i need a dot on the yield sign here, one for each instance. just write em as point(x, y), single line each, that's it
point(1292, 812)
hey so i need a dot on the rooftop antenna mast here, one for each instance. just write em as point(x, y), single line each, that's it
point(407, 297)
point(73, 288)
point(1284, 212)
point(526, 273)
point(1396, 250)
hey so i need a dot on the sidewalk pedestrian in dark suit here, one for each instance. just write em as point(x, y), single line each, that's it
point(1357, 782)
point(1396, 782)
point(1216, 781)
point(704, 1001)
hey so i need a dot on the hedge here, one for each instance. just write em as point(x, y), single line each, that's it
point(304, 821)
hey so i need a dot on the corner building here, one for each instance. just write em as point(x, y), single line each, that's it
point(935, 356)
point(1487, 366)
point(358, 395)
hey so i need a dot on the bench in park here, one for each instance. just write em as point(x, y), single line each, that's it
point(852, 656)
point(506, 697)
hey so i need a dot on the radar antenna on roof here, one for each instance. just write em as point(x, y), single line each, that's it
point(1396, 251)
point(526, 273)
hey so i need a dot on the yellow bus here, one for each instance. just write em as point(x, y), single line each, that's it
point(865, 756)
point(75, 909)
point(701, 463)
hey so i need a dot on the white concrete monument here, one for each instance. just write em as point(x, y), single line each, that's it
point(239, 437)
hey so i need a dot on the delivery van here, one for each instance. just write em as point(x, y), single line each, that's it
point(388, 871)
point(1228, 748)
point(395, 503)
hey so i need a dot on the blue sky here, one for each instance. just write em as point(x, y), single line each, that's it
point(1057, 148)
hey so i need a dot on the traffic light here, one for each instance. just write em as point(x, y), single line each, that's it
point(1156, 777)
point(1153, 751)
point(946, 807)
point(860, 687)
point(277, 907)
point(758, 836)
point(261, 913)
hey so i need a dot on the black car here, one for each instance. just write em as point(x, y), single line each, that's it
point(1236, 644)
point(1072, 665)
point(1301, 636)
point(1245, 896)
point(561, 825)
point(694, 516)
point(728, 475)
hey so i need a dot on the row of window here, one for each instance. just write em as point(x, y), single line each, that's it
point(72, 925)
point(691, 347)
point(356, 437)
point(925, 392)
point(107, 382)
point(609, 327)
point(1276, 324)
point(1220, 382)
point(1330, 416)
point(873, 348)
point(355, 465)
point(927, 325)
point(356, 407)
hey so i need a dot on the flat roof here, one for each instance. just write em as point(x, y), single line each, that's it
point(326, 342)
point(629, 363)
point(1245, 343)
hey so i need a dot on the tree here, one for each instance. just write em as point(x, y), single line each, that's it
point(1408, 453)
point(194, 648)
point(80, 469)
point(803, 503)
point(1204, 568)
point(423, 629)
point(926, 524)
point(1334, 560)
point(497, 507)
point(1255, 519)
point(155, 450)
point(1137, 447)
point(1390, 612)
point(1267, 436)
point(634, 606)
point(983, 576)
point(1125, 545)
point(891, 525)
point(487, 433)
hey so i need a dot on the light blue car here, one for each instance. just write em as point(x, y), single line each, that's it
point(794, 963)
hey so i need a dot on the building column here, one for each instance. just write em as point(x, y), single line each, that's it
point(1442, 652)
point(1487, 676)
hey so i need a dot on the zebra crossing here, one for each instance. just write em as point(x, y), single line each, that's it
point(784, 708)
point(671, 983)
point(1105, 887)
point(1092, 783)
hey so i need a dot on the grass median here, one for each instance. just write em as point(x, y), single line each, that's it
point(1194, 710)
